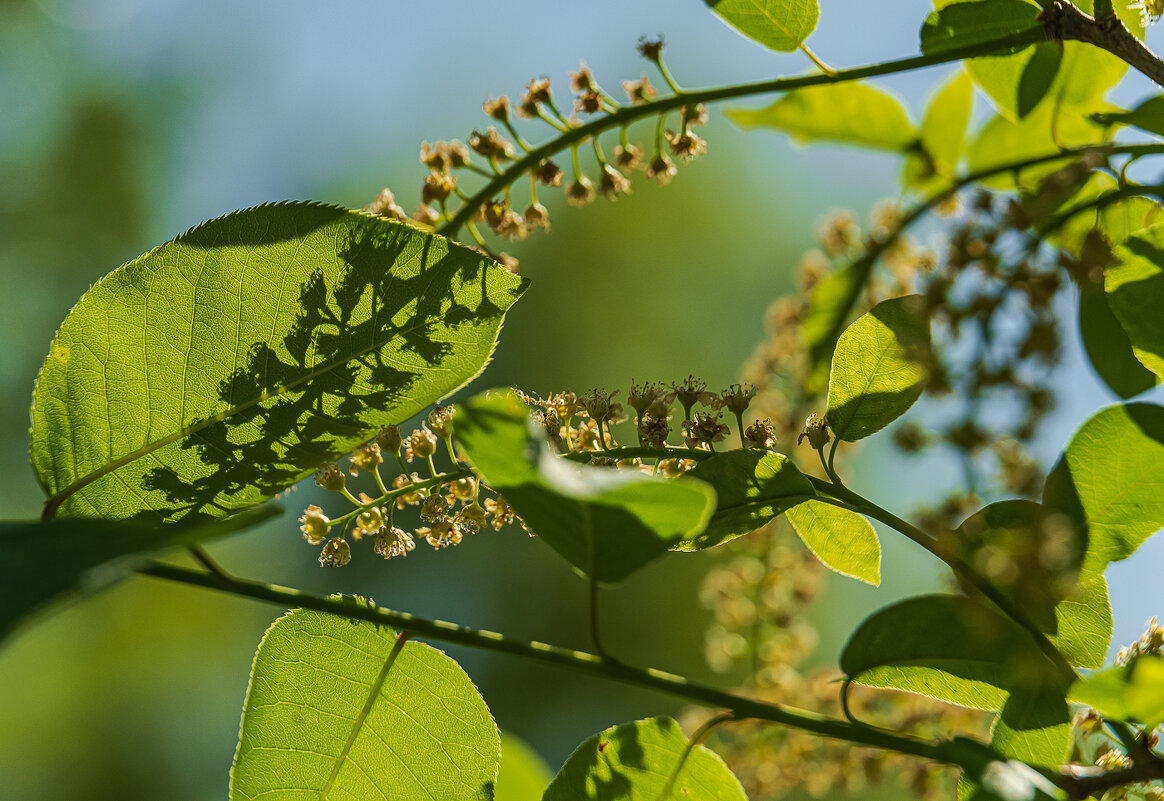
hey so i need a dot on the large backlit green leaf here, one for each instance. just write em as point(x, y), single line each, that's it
point(635, 762)
point(848, 113)
point(844, 541)
point(334, 711)
point(777, 24)
point(971, 23)
point(1133, 692)
point(43, 562)
point(1043, 548)
point(1113, 477)
point(1034, 726)
point(608, 523)
point(1135, 290)
point(942, 646)
point(222, 367)
point(878, 368)
point(752, 487)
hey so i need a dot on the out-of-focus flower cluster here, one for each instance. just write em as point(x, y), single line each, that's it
point(761, 594)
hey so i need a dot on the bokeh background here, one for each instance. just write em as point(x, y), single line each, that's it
point(123, 122)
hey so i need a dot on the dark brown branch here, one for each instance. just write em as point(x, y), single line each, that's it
point(1064, 22)
point(1083, 782)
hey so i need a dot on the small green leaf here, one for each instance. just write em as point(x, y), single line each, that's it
point(1133, 692)
point(1135, 290)
point(334, 710)
point(878, 370)
point(967, 24)
point(943, 129)
point(524, 775)
point(781, 25)
point(607, 523)
point(1108, 347)
point(842, 540)
point(635, 762)
point(847, 113)
point(752, 487)
point(941, 646)
point(1148, 116)
point(44, 562)
point(220, 368)
point(1110, 478)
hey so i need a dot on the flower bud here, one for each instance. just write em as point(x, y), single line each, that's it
point(330, 477)
point(441, 420)
point(314, 524)
point(389, 439)
point(336, 553)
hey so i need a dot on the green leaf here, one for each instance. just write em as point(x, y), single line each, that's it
point(608, 523)
point(968, 24)
point(46, 562)
point(842, 540)
point(1115, 222)
point(524, 775)
point(781, 25)
point(1038, 76)
point(751, 487)
point(1045, 551)
point(943, 129)
point(1133, 692)
point(1135, 290)
point(1111, 479)
point(847, 113)
point(1148, 116)
point(334, 710)
point(941, 646)
point(1084, 623)
point(224, 366)
point(1034, 725)
point(1015, 83)
point(877, 371)
point(1108, 347)
point(1041, 133)
point(634, 762)
point(828, 308)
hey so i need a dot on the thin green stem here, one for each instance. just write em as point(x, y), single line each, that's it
point(861, 504)
point(592, 664)
point(628, 114)
point(411, 487)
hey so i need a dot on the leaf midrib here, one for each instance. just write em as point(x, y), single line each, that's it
point(358, 723)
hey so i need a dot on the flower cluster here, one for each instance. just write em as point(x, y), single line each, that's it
point(449, 503)
point(501, 151)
